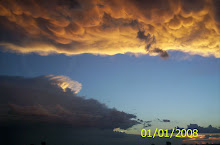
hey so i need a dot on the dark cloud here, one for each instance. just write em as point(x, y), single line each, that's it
point(52, 100)
point(163, 54)
point(166, 120)
point(142, 36)
point(208, 136)
point(150, 41)
point(216, 4)
point(147, 125)
point(192, 5)
point(211, 135)
point(148, 121)
point(100, 5)
point(70, 4)
point(163, 120)
point(147, 38)
point(110, 27)
point(201, 129)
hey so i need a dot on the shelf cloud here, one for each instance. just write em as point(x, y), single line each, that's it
point(46, 100)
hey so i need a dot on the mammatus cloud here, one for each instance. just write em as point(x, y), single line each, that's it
point(152, 27)
point(45, 99)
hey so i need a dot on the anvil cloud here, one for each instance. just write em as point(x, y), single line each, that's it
point(110, 27)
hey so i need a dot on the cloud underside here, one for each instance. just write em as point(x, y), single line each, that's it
point(111, 27)
point(45, 100)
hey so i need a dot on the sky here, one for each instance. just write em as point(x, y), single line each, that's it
point(154, 64)
point(182, 90)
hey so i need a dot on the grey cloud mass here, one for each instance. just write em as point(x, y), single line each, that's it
point(209, 129)
point(43, 99)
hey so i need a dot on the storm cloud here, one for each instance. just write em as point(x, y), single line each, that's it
point(110, 27)
point(52, 100)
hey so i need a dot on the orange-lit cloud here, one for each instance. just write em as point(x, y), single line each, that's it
point(203, 139)
point(110, 27)
point(65, 83)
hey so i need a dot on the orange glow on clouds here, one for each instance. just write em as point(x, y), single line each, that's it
point(65, 83)
point(111, 27)
point(203, 139)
